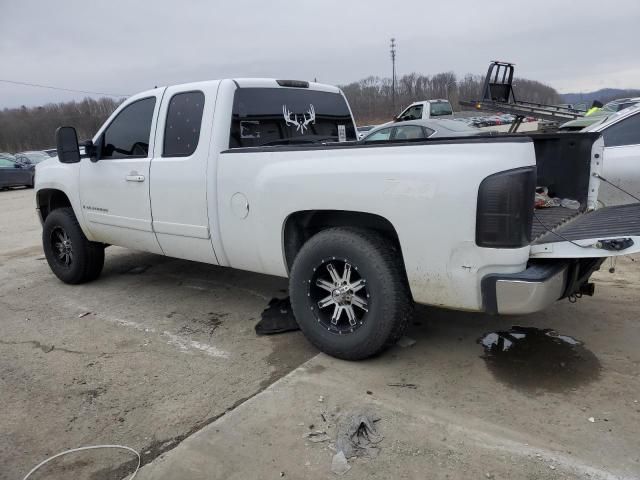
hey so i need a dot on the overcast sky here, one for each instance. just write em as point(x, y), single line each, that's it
point(127, 46)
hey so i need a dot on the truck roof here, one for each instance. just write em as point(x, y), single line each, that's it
point(255, 83)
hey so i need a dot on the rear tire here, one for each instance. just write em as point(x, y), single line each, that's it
point(71, 256)
point(349, 293)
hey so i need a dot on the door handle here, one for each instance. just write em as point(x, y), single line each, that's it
point(134, 178)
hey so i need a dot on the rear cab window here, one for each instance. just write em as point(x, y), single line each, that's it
point(276, 116)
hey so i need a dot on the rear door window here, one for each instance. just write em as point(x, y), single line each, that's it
point(272, 116)
point(625, 132)
point(182, 130)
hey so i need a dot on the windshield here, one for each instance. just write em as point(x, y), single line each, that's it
point(271, 116)
point(439, 109)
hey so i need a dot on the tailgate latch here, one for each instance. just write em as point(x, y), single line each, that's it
point(615, 244)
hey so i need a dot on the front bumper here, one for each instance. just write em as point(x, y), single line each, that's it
point(529, 291)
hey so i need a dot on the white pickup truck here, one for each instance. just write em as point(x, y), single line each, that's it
point(266, 176)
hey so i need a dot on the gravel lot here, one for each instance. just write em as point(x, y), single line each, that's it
point(167, 347)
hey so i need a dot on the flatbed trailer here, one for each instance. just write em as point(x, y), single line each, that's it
point(498, 96)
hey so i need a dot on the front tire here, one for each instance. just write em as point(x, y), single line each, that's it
point(71, 256)
point(349, 293)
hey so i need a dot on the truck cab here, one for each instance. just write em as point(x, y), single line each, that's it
point(425, 109)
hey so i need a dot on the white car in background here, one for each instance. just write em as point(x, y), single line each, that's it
point(421, 129)
point(621, 156)
point(364, 130)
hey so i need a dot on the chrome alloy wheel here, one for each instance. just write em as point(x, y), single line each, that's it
point(338, 295)
point(62, 247)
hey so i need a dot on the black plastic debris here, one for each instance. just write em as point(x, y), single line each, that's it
point(403, 385)
point(277, 318)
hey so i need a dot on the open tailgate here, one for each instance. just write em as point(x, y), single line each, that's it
point(605, 232)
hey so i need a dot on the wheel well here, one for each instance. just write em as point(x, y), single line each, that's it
point(49, 199)
point(301, 226)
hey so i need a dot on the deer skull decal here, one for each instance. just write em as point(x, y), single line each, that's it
point(293, 121)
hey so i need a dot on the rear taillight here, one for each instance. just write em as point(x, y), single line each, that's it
point(505, 209)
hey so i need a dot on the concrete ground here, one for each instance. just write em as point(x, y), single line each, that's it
point(543, 410)
point(168, 347)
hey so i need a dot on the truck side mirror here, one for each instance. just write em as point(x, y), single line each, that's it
point(90, 150)
point(67, 145)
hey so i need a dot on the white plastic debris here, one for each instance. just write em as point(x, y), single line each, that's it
point(552, 467)
point(83, 314)
point(321, 398)
point(339, 464)
point(592, 420)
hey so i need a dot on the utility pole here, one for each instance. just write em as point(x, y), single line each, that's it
point(393, 74)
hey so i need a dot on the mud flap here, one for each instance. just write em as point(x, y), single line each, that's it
point(606, 232)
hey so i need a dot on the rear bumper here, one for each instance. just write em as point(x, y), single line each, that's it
point(529, 291)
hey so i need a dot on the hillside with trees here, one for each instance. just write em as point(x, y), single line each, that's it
point(34, 128)
point(371, 99)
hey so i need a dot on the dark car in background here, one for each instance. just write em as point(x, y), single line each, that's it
point(14, 174)
point(31, 158)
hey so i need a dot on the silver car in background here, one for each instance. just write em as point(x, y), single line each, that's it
point(421, 129)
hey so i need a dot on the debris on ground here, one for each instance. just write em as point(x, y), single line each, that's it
point(137, 270)
point(317, 436)
point(321, 398)
point(339, 464)
point(405, 342)
point(592, 420)
point(84, 314)
point(357, 434)
point(403, 385)
point(277, 318)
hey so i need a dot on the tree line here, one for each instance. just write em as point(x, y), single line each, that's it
point(34, 128)
point(371, 101)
